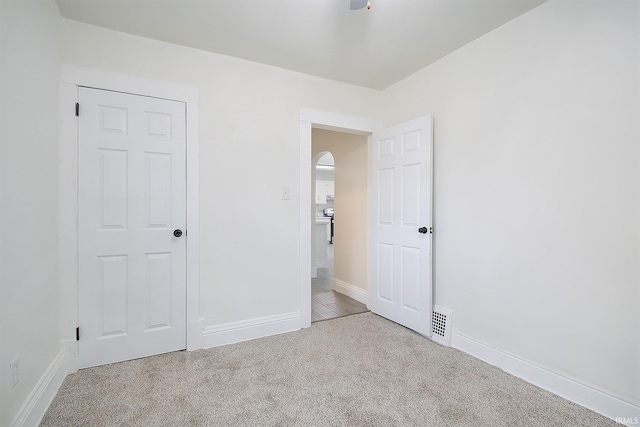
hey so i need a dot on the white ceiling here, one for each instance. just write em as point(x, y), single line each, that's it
point(373, 48)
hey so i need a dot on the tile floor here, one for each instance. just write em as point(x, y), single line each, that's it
point(328, 304)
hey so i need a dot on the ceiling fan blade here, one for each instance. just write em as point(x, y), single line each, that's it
point(357, 4)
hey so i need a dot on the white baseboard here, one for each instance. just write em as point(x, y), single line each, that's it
point(233, 332)
point(350, 290)
point(37, 402)
point(596, 400)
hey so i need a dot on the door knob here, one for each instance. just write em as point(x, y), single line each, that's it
point(177, 233)
point(423, 230)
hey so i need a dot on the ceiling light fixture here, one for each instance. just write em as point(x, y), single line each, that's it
point(359, 4)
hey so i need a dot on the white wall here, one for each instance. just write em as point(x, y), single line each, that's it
point(537, 217)
point(536, 177)
point(350, 155)
point(249, 149)
point(28, 196)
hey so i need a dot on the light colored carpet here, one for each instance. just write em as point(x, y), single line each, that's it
point(360, 370)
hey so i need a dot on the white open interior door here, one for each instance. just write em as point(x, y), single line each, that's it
point(400, 235)
point(132, 197)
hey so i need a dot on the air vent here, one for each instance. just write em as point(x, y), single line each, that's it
point(441, 319)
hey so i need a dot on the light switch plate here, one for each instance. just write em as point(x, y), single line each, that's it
point(285, 193)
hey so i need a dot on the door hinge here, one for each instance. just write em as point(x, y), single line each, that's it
point(77, 109)
point(78, 334)
point(430, 230)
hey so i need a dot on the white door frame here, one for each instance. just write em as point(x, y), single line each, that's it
point(310, 119)
point(72, 77)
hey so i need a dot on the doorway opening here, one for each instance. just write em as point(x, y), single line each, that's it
point(324, 230)
point(309, 120)
point(339, 227)
point(403, 151)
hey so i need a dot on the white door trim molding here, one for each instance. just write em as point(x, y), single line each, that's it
point(72, 77)
point(309, 119)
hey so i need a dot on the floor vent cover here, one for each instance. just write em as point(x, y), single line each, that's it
point(441, 319)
